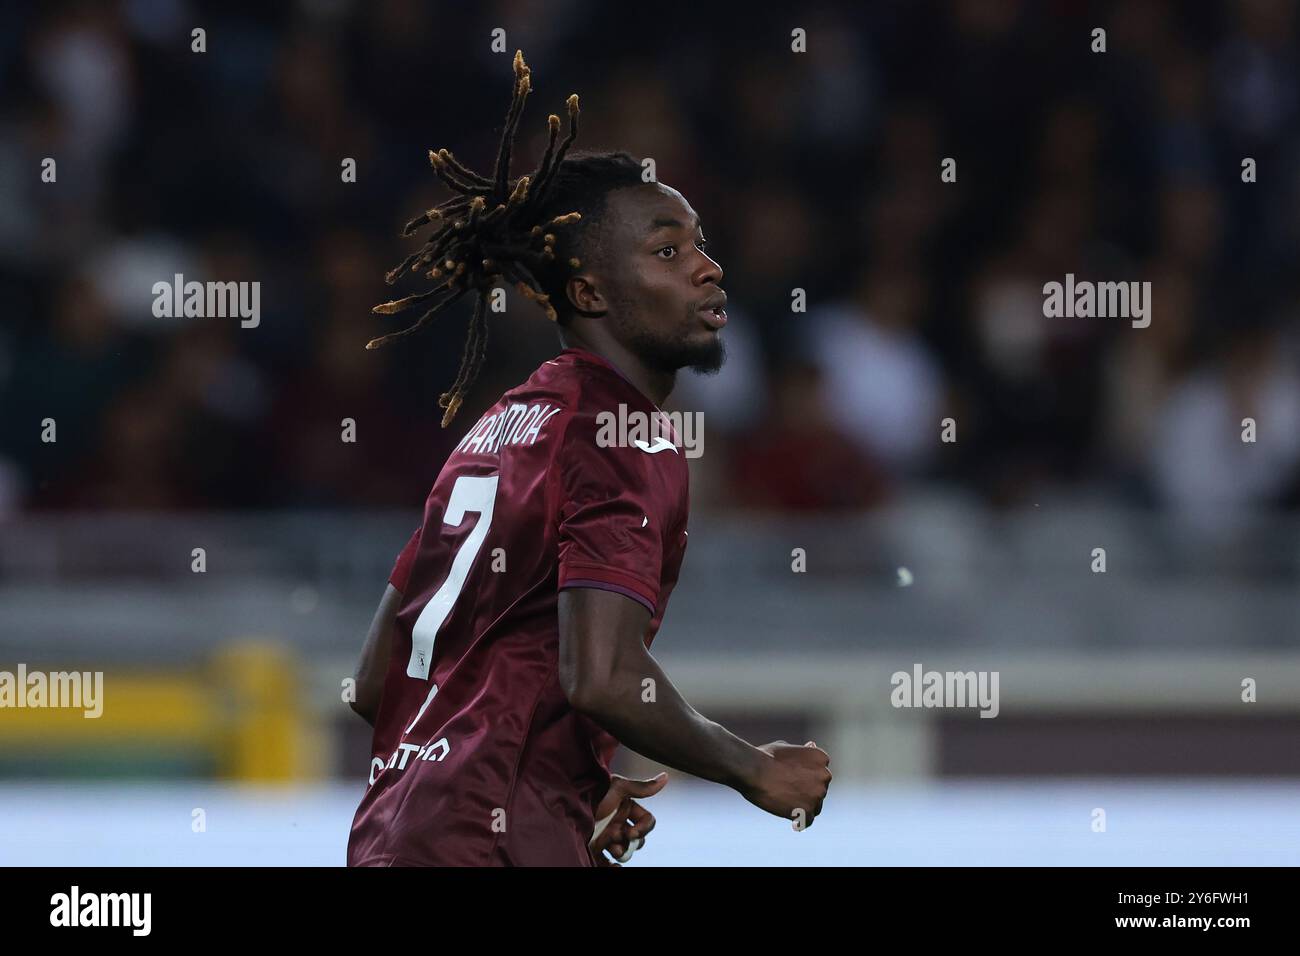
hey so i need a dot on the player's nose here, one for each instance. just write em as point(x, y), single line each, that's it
point(709, 271)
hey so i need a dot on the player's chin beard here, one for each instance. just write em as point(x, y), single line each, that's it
point(710, 356)
point(668, 354)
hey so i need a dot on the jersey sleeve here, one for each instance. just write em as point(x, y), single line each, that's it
point(402, 569)
point(610, 525)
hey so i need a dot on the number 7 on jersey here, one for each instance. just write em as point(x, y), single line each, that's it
point(471, 493)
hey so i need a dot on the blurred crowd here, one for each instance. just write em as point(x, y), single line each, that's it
point(817, 171)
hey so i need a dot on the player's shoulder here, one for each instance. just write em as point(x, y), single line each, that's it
point(614, 435)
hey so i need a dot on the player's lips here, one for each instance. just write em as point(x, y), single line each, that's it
point(714, 310)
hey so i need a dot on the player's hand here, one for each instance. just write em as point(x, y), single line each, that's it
point(630, 822)
point(794, 779)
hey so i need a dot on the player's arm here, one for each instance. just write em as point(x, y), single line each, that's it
point(603, 665)
point(374, 656)
point(373, 666)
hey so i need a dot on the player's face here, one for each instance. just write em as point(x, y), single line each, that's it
point(666, 303)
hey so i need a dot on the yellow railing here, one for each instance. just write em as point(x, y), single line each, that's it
point(242, 713)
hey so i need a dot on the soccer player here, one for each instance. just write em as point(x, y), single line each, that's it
point(509, 656)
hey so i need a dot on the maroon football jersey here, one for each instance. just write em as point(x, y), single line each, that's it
point(478, 758)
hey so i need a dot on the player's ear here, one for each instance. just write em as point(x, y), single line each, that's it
point(585, 295)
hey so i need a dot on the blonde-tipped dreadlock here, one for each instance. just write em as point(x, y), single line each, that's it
point(473, 250)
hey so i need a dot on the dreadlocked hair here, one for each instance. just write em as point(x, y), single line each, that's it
point(582, 185)
point(497, 230)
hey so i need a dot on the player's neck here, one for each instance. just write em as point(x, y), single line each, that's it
point(652, 383)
